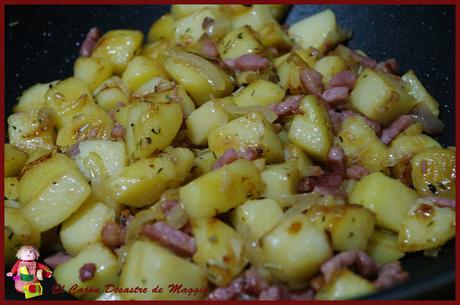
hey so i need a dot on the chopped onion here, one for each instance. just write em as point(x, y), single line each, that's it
point(431, 124)
point(135, 227)
point(269, 115)
point(177, 217)
point(206, 69)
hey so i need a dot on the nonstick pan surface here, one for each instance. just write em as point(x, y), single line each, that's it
point(42, 42)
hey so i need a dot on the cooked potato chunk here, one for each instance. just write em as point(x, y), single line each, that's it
point(380, 97)
point(308, 249)
point(329, 66)
point(14, 160)
point(311, 130)
point(222, 189)
point(11, 188)
point(239, 42)
point(388, 198)
point(383, 247)
point(433, 172)
point(203, 162)
point(259, 92)
point(273, 35)
point(17, 232)
point(203, 120)
point(361, 145)
point(150, 265)
point(245, 132)
point(119, 46)
point(280, 179)
point(182, 159)
point(415, 88)
point(84, 227)
point(92, 71)
point(139, 70)
point(33, 97)
point(345, 285)
point(255, 218)
point(404, 146)
point(349, 226)
point(67, 274)
point(163, 28)
point(319, 31)
point(219, 250)
point(295, 153)
point(426, 227)
point(111, 93)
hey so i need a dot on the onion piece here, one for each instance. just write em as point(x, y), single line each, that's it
point(135, 227)
point(206, 69)
point(269, 115)
point(177, 217)
point(431, 124)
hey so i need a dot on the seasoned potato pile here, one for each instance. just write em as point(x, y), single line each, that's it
point(224, 156)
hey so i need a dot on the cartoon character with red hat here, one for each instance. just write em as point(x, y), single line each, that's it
point(27, 273)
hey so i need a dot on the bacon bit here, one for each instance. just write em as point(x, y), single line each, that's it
point(441, 202)
point(336, 95)
point(176, 240)
point(227, 157)
point(118, 131)
point(364, 265)
point(395, 128)
point(87, 272)
point(56, 259)
point(90, 42)
point(168, 205)
point(337, 160)
point(343, 79)
point(113, 235)
point(356, 172)
point(424, 166)
point(209, 48)
point(390, 274)
point(274, 293)
point(364, 60)
point(289, 106)
point(312, 81)
point(328, 190)
point(247, 62)
point(308, 184)
point(389, 66)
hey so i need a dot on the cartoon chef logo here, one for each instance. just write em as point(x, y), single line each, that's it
point(27, 273)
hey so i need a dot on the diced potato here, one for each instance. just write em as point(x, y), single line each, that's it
point(434, 172)
point(295, 250)
point(182, 159)
point(159, 50)
point(361, 145)
point(202, 79)
point(259, 92)
point(183, 10)
point(295, 153)
point(239, 42)
point(380, 97)
point(119, 46)
point(311, 130)
point(203, 162)
point(220, 190)
point(289, 70)
point(27, 132)
point(219, 250)
point(426, 226)
point(84, 227)
point(280, 179)
point(278, 10)
point(415, 88)
point(345, 285)
point(349, 226)
point(162, 28)
point(149, 265)
point(319, 31)
point(92, 71)
point(203, 120)
point(255, 218)
point(150, 127)
point(111, 153)
point(404, 147)
point(383, 247)
point(67, 274)
point(273, 35)
point(142, 182)
point(257, 18)
point(388, 198)
point(111, 93)
point(67, 99)
point(92, 122)
point(14, 160)
point(248, 131)
point(11, 188)
point(17, 232)
point(139, 70)
point(329, 66)
point(33, 97)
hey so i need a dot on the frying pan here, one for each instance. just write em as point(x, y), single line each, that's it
point(42, 43)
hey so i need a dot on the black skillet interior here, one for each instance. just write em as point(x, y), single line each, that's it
point(42, 43)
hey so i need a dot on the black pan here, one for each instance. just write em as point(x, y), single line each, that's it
point(42, 43)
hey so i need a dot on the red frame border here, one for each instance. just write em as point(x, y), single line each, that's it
point(3, 3)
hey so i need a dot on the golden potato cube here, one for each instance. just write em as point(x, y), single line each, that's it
point(84, 227)
point(67, 274)
point(14, 160)
point(425, 227)
point(33, 97)
point(345, 285)
point(404, 147)
point(388, 198)
point(257, 17)
point(255, 218)
point(92, 71)
point(239, 42)
point(259, 92)
point(119, 46)
point(280, 179)
point(248, 131)
point(319, 31)
point(203, 162)
point(295, 250)
point(111, 93)
point(162, 28)
point(203, 120)
point(273, 35)
point(139, 70)
point(221, 190)
point(311, 130)
point(434, 172)
point(219, 250)
point(380, 97)
point(11, 188)
point(415, 88)
point(149, 265)
point(383, 247)
point(295, 153)
point(182, 159)
point(329, 66)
